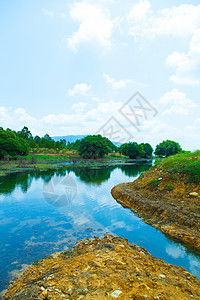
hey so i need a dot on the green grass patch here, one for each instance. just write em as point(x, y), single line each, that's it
point(170, 187)
point(184, 163)
point(154, 183)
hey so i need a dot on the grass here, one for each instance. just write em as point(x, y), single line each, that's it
point(154, 183)
point(184, 163)
point(39, 158)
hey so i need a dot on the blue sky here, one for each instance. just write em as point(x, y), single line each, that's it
point(67, 67)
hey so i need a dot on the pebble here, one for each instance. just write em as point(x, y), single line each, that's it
point(161, 276)
point(194, 194)
point(116, 293)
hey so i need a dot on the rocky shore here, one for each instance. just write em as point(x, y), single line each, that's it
point(165, 200)
point(107, 268)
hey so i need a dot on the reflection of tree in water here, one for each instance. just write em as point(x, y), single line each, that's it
point(11, 181)
point(23, 180)
point(133, 170)
point(95, 175)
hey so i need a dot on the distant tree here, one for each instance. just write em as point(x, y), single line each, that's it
point(167, 148)
point(76, 145)
point(132, 149)
point(25, 133)
point(147, 149)
point(93, 146)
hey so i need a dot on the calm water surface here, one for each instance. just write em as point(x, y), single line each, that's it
point(48, 211)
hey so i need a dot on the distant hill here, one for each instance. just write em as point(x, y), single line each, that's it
point(73, 138)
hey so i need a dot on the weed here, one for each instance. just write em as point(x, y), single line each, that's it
point(170, 187)
point(154, 183)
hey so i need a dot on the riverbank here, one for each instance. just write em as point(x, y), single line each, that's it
point(167, 197)
point(105, 268)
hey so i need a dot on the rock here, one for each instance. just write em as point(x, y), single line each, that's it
point(161, 276)
point(44, 294)
point(116, 293)
point(194, 194)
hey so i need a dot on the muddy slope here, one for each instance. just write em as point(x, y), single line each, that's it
point(104, 269)
point(163, 200)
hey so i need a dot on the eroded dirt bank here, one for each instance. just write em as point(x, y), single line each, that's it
point(105, 268)
point(162, 199)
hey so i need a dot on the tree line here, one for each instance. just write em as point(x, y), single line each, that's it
point(15, 143)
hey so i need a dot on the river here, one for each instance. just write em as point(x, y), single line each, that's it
point(42, 212)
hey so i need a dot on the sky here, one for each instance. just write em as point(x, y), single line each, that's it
point(129, 70)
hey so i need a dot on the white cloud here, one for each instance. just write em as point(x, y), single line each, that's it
point(177, 103)
point(95, 25)
point(80, 122)
point(118, 84)
point(186, 64)
point(79, 107)
point(181, 20)
point(80, 88)
point(140, 11)
point(48, 12)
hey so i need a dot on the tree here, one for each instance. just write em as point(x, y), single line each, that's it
point(167, 148)
point(11, 144)
point(93, 146)
point(25, 133)
point(132, 149)
point(147, 149)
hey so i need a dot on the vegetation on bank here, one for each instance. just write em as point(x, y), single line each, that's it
point(14, 144)
point(167, 148)
point(135, 150)
point(186, 163)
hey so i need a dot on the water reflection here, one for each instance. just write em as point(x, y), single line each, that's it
point(89, 175)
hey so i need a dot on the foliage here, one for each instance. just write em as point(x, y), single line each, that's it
point(167, 148)
point(11, 144)
point(93, 146)
point(135, 150)
point(147, 149)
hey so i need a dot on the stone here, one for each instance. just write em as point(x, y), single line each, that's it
point(194, 194)
point(161, 276)
point(116, 293)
